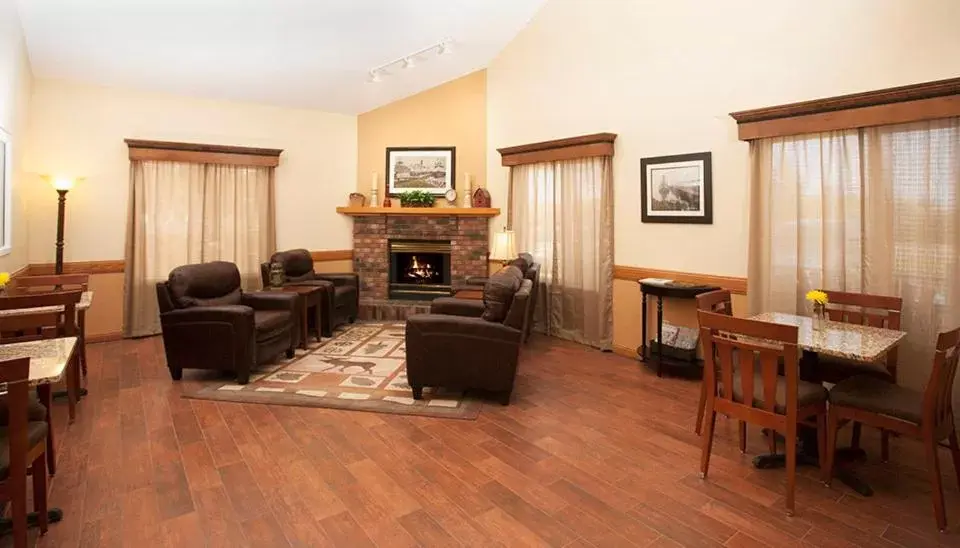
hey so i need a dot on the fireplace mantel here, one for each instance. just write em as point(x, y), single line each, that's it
point(421, 211)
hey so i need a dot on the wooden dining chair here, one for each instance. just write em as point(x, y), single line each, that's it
point(927, 415)
point(25, 327)
point(862, 309)
point(743, 358)
point(22, 445)
point(60, 282)
point(718, 302)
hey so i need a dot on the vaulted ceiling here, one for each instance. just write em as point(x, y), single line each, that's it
point(298, 53)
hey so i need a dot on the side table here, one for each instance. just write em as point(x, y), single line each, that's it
point(310, 296)
point(661, 289)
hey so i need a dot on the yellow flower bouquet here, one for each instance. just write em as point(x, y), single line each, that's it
point(817, 297)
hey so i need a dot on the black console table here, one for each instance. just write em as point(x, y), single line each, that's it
point(674, 290)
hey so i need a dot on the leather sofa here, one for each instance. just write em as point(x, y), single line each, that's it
point(465, 344)
point(341, 302)
point(208, 322)
point(531, 271)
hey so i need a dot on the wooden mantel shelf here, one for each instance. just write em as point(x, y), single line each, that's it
point(428, 211)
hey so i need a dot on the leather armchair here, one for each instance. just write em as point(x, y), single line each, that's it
point(341, 302)
point(456, 347)
point(208, 322)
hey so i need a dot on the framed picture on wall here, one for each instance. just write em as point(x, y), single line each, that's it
point(676, 189)
point(430, 169)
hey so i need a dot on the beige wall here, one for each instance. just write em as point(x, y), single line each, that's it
point(16, 82)
point(586, 67)
point(79, 129)
point(452, 114)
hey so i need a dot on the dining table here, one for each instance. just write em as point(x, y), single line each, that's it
point(48, 365)
point(849, 341)
point(86, 300)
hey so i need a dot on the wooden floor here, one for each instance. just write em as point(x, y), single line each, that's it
point(593, 451)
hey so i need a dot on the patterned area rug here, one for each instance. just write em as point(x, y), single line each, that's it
point(362, 367)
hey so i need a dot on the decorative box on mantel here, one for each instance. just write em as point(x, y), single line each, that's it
point(466, 230)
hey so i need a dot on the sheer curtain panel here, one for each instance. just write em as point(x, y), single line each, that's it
point(562, 213)
point(183, 213)
point(874, 210)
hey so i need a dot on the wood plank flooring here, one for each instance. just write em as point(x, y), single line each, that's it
point(593, 451)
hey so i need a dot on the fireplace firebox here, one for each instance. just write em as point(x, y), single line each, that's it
point(419, 269)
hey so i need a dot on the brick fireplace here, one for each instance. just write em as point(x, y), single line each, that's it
point(468, 237)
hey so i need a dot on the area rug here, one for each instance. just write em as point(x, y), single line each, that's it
point(362, 367)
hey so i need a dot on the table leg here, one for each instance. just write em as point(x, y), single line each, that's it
point(659, 336)
point(643, 326)
point(72, 387)
point(82, 335)
point(303, 323)
point(318, 320)
point(44, 395)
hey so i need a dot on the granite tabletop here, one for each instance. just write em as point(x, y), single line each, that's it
point(86, 299)
point(843, 340)
point(48, 357)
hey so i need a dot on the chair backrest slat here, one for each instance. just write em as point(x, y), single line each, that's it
point(36, 325)
point(50, 281)
point(718, 301)
point(864, 309)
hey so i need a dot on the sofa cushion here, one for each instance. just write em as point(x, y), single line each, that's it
point(498, 293)
point(208, 284)
point(297, 264)
point(343, 295)
point(269, 323)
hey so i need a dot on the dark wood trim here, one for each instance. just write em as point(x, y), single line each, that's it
point(22, 271)
point(79, 267)
point(332, 255)
point(584, 146)
point(634, 273)
point(104, 337)
point(903, 104)
point(202, 153)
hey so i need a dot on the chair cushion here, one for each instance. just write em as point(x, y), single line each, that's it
point(35, 410)
point(869, 393)
point(498, 293)
point(209, 284)
point(36, 431)
point(834, 370)
point(269, 323)
point(343, 295)
point(807, 392)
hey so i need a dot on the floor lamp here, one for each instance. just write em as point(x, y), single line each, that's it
point(62, 186)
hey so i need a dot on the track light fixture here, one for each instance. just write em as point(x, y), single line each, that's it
point(409, 61)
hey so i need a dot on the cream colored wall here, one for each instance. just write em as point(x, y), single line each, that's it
point(16, 83)
point(79, 129)
point(333, 266)
point(665, 75)
point(452, 114)
point(105, 316)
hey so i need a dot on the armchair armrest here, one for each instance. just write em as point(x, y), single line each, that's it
point(226, 313)
point(476, 280)
point(340, 278)
point(457, 307)
point(270, 300)
point(447, 326)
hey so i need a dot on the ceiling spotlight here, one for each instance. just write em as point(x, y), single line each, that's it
point(375, 76)
point(408, 62)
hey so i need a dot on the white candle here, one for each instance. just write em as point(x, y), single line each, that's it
point(466, 189)
point(373, 184)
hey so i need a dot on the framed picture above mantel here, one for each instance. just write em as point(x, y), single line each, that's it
point(430, 169)
point(676, 189)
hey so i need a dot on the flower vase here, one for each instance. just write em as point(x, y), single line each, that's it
point(819, 317)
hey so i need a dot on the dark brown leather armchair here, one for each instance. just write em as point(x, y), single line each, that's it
point(342, 297)
point(464, 345)
point(208, 322)
point(531, 271)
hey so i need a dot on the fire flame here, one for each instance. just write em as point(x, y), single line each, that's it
point(420, 272)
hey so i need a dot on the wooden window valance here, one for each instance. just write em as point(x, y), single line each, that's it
point(585, 146)
point(914, 103)
point(203, 154)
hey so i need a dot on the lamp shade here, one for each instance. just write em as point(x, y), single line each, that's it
point(63, 183)
point(503, 246)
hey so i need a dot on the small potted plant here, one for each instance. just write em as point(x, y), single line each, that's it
point(416, 198)
point(819, 300)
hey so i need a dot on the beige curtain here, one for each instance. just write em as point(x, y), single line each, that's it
point(562, 213)
point(875, 210)
point(183, 213)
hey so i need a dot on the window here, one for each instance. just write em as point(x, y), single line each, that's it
point(6, 182)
